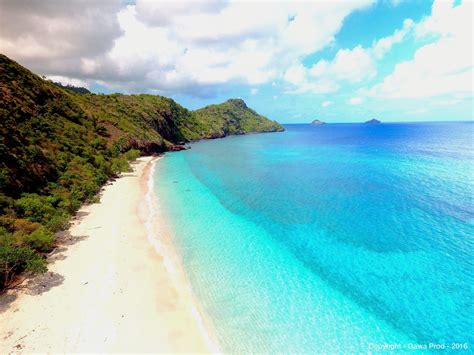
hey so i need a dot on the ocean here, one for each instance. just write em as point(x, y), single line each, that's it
point(333, 238)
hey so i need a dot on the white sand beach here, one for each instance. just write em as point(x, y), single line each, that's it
point(107, 288)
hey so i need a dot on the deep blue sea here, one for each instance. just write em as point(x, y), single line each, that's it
point(334, 238)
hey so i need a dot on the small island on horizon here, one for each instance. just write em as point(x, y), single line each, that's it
point(318, 122)
point(373, 121)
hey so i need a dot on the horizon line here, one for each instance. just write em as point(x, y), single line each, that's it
point(381, 122)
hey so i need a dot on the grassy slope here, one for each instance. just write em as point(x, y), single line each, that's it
point(58, 147)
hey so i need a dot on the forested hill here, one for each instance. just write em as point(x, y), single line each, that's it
point(232, 117)
point(58, 146)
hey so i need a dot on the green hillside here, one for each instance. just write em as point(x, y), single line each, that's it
point(231, 117)
point(152, 118)
point(58, 147)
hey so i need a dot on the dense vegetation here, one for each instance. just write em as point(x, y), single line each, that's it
point(59, 146)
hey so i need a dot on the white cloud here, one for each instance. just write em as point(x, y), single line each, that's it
point(68, 81)
point(348, 66)
point(174, 47)
point(326, 103)
point(296, 74)
point(169, 46)
point(441, 68)
point(54, 37)
point(447, 19)
point(253, 91)
point(300, 78)
point(383, 45)
point(355, 101)
point(162, 12)
point(353, 65)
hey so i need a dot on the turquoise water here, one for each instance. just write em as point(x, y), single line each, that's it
point(336, 238)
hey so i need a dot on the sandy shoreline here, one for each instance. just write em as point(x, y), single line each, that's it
point(109, 290)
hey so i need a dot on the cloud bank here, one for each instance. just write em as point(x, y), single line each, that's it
point(200, 48)
point(443, 67)
point(186, 47)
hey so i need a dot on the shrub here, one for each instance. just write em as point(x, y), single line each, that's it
point(34, 207)
point(98, 144)
point(100, 162)
point(7, 222)
point(119, 165)
point(58, 222)
point(118, 147)
point(40, 240)
point(24, 226)
point(6, 203)
point(71, 204)
point(4, 178)
point(5, 236)
point(132, 154)
point(14, 260)
point(95, 199)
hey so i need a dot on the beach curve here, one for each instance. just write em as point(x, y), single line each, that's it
point(108, 290)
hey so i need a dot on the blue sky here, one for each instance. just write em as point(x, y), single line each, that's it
point(337, 61)
point(360, 28)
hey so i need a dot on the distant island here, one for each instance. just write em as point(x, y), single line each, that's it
point(318, 122)
point(373, 121)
